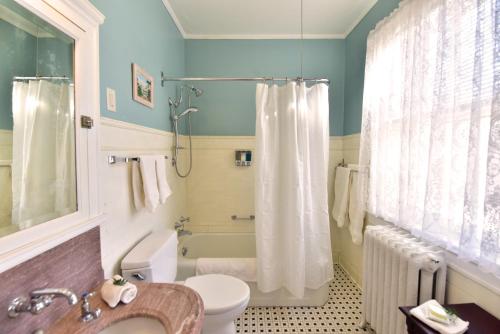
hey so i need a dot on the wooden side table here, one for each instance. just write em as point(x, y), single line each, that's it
point(481, 322)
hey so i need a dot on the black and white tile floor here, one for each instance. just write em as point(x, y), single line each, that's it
point(340, 314)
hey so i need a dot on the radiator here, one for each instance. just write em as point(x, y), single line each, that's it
point(398, 270)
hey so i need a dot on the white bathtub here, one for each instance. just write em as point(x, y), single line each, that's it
point(239, 245)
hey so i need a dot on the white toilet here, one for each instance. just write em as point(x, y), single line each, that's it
point(154, 259)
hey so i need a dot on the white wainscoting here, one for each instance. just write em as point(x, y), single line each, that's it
point(465, 282)
point(218, 189)
point(125, 226)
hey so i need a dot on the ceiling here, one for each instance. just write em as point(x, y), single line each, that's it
point(266, 19)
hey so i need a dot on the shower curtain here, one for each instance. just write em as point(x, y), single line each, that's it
point(292, 226)
point(43, 157)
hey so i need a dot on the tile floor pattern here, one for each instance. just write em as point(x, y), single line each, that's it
point(340, 314)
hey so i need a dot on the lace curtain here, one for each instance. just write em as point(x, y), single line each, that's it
point(431, 125)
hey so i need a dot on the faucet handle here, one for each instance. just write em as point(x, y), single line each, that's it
point(87, 295)
point(87, 314)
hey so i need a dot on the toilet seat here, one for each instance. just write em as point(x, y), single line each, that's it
point(220, 293)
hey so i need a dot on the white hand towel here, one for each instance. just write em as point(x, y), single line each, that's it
point(341, 189)
point(137, 188)
point(242, 268)
point(112, 294)
point(161, 176)
point(129, 292)
point(420, 312)
point(149, 182)
point(356, 215)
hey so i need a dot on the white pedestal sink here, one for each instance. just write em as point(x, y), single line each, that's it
point(137, 325)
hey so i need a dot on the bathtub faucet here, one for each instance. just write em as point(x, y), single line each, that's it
point(183, 233)
point(179, 227)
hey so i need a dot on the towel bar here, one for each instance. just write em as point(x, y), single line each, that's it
point(113, 159)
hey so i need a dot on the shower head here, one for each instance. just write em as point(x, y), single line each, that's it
point(197, 91)
point(185, 112)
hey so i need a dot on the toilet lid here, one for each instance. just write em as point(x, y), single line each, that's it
point(219, 293)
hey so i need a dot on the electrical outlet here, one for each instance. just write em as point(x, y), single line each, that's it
point(111, 99)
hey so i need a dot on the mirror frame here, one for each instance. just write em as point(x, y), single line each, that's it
point(80, 20)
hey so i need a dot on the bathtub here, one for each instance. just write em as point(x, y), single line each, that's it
point(238, 245)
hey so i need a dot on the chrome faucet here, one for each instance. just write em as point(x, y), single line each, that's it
point(183, 233)
point(184, 219)
point(39, 300)
point(179, 226)
point(87, 313)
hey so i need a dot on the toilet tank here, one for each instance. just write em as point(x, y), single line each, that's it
point(153, 259)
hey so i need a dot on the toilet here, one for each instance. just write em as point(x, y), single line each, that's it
point(154, 259)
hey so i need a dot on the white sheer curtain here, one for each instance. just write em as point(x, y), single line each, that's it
point(431, 130)
point(292, 226)
point(43, 157)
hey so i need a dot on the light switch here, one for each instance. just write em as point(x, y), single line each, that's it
point(111, 99)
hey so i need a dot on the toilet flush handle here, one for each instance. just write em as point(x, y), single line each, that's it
point(139, 276)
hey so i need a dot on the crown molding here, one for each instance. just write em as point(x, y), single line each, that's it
point(22, 23)
point(81, 12)
point(174, 17)
point(344, 35)
point(267, 36)
point(365, 11)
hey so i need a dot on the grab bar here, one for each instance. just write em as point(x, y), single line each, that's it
point(5, 163)
point(235, 217)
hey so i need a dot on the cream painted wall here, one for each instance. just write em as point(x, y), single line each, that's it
point(466, 284)
point(124, 225)
point(214, 191)
point(218, 189)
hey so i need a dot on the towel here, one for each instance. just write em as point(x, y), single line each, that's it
point(161, 176)
point(356, 215)
point(242, 268)
point(149, 182)
point(137, 188)
point(112, 294)
point(341, 189)
point(421, 313)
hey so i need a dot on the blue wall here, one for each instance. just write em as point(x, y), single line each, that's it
point(226, 108)
point(55, 57)
point(229, 108)
point(355, 64)
point(139, 32)
point(17, 58)
point(22, 55)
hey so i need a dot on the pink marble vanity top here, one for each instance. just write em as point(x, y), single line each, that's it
point(177, 307)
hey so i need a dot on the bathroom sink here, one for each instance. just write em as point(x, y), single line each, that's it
point(137, 325)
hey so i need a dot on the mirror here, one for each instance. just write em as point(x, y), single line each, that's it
point(37, 121)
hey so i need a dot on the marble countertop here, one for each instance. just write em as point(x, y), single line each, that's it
point(177, 307)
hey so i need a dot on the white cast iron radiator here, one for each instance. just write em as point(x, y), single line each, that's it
point(398, 270)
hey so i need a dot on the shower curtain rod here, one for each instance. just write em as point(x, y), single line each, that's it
point(39, 78)
point(163, 79)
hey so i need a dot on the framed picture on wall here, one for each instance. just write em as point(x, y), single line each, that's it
point(142, 86)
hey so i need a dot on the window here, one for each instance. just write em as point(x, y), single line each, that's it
point(431, 125)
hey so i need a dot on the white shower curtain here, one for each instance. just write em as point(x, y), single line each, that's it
point(43, 157)
point(292, 226)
